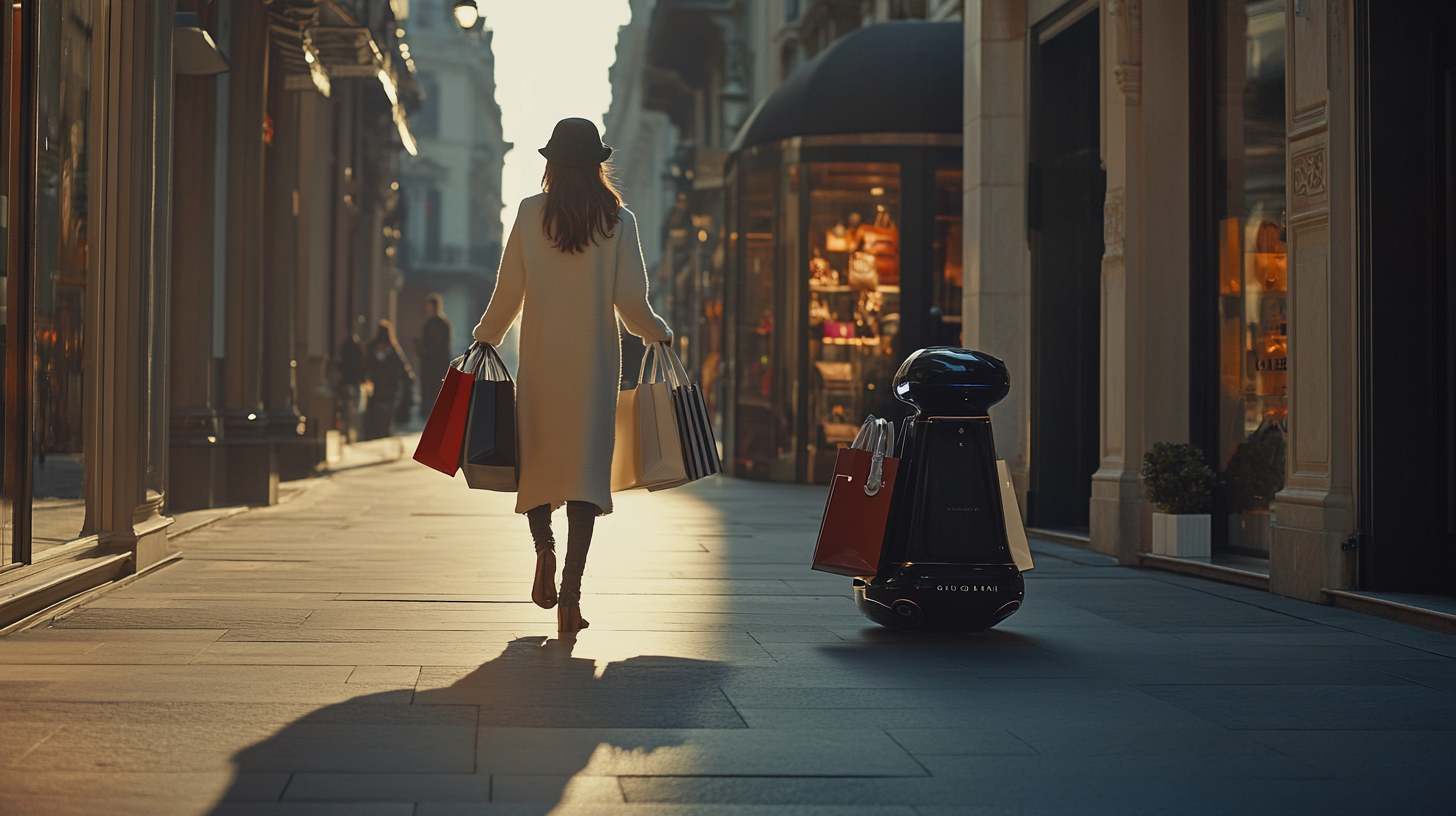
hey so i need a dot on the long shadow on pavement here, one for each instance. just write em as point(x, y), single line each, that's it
point(518, 729)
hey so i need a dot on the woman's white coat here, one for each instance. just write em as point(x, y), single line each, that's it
point(570, 360)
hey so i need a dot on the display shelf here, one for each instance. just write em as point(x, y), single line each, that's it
point(886, 289)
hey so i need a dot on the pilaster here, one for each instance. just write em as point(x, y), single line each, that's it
point(997, 261)
point(252, 469)
point(1116, 512)
point(196, 463)
point(132, 110)
point(1315, 510)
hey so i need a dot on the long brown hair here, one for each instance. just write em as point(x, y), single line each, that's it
point(581, 201)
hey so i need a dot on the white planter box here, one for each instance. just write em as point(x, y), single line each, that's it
point(1183, 536)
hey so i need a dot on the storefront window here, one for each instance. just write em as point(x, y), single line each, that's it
point(62, 272)
point(9, 112)
point(760, 435)
point(947, 272)
point(1253, 309)
point(854, 301)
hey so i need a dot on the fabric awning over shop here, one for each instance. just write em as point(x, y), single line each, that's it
point(899, 77)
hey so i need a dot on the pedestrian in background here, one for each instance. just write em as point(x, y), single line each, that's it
point(392, 380)
point(353, 379)
point(436, 338)
point(572, 265)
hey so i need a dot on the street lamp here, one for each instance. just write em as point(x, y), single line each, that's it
point(467, 13)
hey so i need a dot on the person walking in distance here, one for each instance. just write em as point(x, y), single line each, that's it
point(436, 337)
point(392, 380)
point(572, 265)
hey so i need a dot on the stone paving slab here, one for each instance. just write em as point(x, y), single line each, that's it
point(369, 648)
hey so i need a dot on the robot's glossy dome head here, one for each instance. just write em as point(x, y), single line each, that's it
point(946, 381)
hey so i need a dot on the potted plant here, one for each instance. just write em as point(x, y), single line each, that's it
point(1254, 474)
point(1177, 481)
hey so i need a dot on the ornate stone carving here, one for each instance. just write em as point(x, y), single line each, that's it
point(1128, 18)
point(1112, 224)
point(1307, 172)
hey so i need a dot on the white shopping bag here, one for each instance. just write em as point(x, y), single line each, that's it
point(1011, 511)
point(648, 449)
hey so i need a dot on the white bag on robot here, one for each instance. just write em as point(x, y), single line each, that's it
point(1015, 532)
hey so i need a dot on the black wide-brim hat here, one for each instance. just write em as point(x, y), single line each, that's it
point(576, 142)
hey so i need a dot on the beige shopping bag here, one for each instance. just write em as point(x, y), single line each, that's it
point(1011, 512)
point(648, 450)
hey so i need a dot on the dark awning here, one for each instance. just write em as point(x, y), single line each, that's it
point(899, 77)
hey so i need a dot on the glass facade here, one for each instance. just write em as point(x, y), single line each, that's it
point(61, 273)
point(763, 435)
point(10, 107)
point(1250, 240)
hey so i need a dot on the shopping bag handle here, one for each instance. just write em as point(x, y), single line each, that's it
point(662, 360)
point(482, 359)
point(493, 366)
point(863, 439)
point(884, 443)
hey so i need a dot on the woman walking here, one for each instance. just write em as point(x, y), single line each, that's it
point(572, 265)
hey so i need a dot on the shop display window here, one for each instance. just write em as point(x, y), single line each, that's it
point(762, 427)
point(946, 264)
point(61, 274)
point(853, 312)
point(1253, 307)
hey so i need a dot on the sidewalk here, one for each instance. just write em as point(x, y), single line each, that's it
point(370, 648)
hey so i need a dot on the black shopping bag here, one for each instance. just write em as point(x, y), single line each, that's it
point(695, 427)
point(488, 456)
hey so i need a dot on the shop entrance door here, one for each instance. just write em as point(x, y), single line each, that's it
point(1066, 187)
point(1408, 472)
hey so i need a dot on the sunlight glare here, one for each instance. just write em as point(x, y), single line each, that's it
point(551, 61)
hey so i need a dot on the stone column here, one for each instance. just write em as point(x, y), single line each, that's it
point(252, 469)
point(196, 465)
point(1146, 262)
point(997, 260)
point(1316, 507)
point(312, 348)
point(131, 193)
point(280, 266)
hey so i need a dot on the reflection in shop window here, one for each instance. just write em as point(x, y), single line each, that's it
point(1249, 140)
point(759, 433)
point(947, 272)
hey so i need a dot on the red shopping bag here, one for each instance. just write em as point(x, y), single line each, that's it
point(853, 530)
point(444, 433)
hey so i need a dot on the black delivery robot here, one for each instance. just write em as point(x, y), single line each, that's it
point(947, 563)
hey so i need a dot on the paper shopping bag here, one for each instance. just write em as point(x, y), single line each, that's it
point(694, 425)
point(440, 443)
point(852, 533)
point(647, 451)
point(1011, 512)
point(488, 456)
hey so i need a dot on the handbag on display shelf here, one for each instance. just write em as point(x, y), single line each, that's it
point(863, 272)
point(488, 456)
point(836, 375)
point(882, 239)
point(853, 530)
point(444, 434)
point(838, 328)
point(648, 449)
point(695, 427)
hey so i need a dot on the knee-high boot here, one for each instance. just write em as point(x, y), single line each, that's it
point(581, 521)
point(543, 589)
